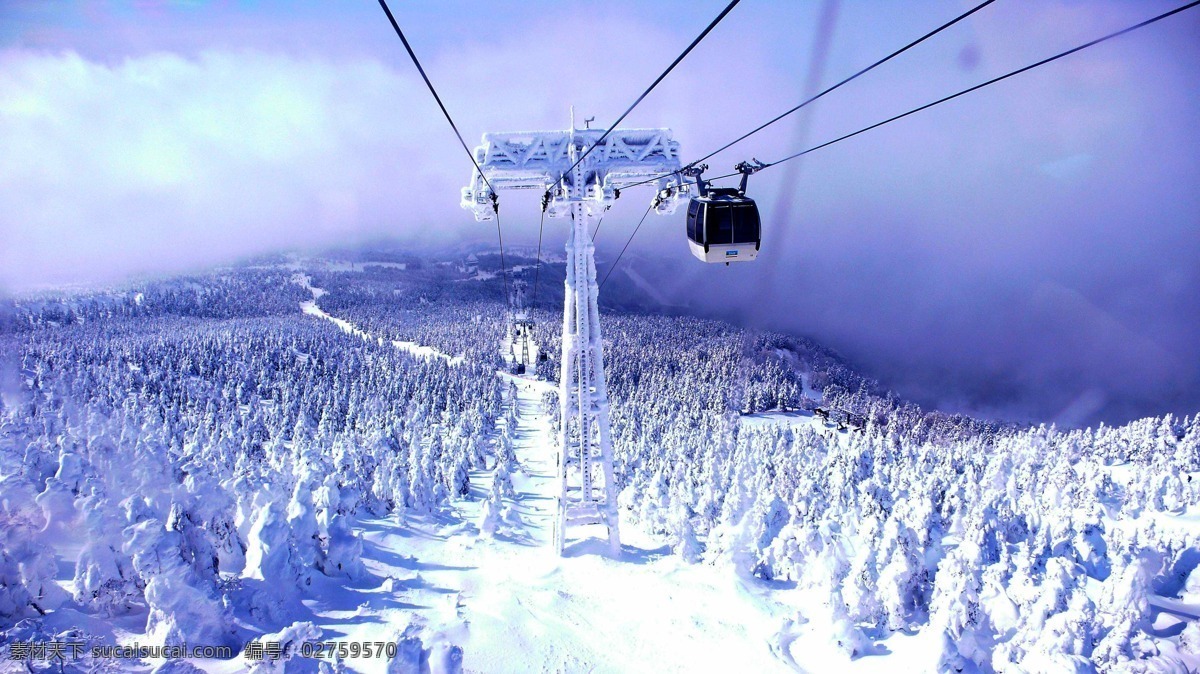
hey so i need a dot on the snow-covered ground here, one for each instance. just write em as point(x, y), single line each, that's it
point(512, 605)
point(408, 501)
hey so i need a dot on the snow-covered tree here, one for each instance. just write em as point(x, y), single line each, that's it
point(343, 550)
point(183, 606)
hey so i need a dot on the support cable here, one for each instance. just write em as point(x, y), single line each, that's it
point(537, 270)
point(690, 47)
point(864, 71)
point(503, 268)
point(635, 231)
point(981, 85)
point(849, 79)
point(953, 96)
point(597, 230)
point(495, 199)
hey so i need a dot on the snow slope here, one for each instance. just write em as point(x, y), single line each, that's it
point(1082, 548)
point(513, 606)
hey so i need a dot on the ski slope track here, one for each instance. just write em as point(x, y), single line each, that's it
point(310, 307)
point(513, 606)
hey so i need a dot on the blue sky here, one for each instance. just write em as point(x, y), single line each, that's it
point(1030, 248)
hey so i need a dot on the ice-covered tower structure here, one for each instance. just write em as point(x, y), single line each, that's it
point(547, 161)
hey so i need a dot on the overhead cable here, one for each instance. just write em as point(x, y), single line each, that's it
point(690, 47)
point(471, 155)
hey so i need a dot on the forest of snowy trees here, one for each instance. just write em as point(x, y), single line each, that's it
point(1020, 547)
point(199, 466)
point(453, 315)
point(1029, 549)
point(199, 448)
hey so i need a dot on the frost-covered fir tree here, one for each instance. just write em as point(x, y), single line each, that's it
point(303, 529)
point(685, 544)
point(33, 588)
point(105, 580)
point(183, 606)
point(343, 550)
point(489, 513)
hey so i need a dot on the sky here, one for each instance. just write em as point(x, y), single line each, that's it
point(1029, 250)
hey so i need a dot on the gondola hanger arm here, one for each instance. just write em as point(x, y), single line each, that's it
point(748, 168)
point(695, 172)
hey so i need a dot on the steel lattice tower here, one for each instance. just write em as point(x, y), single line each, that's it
point(548, 160)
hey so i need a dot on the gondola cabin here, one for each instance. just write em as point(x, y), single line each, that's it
point(723, 226)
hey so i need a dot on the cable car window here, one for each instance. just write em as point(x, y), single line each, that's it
point(693, 211)
point(745, 224)
point(718, 224)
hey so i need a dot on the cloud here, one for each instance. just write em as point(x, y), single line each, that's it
point(162, 162)
point(155, 162)
point(1018, 250)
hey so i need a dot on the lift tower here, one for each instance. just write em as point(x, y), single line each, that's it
point(520, 329)
point(548, 161)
